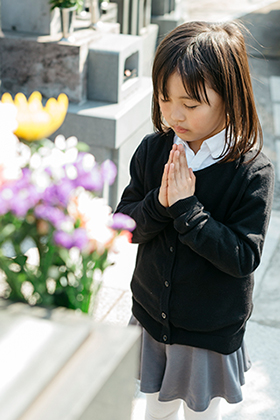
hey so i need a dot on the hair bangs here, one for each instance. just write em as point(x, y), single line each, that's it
point(194, 78)
point(160, 82)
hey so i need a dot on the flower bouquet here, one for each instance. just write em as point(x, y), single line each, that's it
point(56, 230)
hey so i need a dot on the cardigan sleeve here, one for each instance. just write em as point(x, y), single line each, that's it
point(140, 203)
point(235, 246)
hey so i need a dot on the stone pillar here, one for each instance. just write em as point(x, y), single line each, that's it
point(166, 15)
point(134, 15)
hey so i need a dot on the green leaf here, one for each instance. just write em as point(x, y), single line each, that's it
point(21, 260)
point(6, 232)
point(82, 147)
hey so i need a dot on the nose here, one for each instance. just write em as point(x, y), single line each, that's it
point(177, 114)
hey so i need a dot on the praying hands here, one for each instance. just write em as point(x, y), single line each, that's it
point(178, 180)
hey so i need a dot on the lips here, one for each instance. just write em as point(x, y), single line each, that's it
point(179, 129)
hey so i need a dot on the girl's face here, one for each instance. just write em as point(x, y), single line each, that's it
point(192, 121)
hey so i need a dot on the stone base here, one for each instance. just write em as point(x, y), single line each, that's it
point(46, 64)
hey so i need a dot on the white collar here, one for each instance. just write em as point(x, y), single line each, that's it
point(214, 144)
point(208, 154)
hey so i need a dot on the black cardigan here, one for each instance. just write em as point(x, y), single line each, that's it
point(193, 279)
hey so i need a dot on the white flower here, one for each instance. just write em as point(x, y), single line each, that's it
point(58, 159)
point(41, 179)
point(88, 162)
point(9, 157)
point(95, 215)
point(63, 144)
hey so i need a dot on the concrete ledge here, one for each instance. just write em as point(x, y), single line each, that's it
point(109, 125)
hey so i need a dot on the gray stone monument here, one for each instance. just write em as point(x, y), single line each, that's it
point(114, 69)
point(104, 74)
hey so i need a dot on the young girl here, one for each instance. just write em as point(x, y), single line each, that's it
point(200, 193)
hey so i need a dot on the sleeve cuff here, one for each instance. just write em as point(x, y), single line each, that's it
point(163, 211)
point(189, 205)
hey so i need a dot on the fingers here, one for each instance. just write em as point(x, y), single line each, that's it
point(177, 166)
point(183, 161)
point(163, 191)
point(165, 175)
point(178, 181)
point(171, 154)
point(180, 164)
point(181, 179)
point(171, 174)
point(192, 175)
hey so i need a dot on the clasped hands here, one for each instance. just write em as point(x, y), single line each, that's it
point(178, 180)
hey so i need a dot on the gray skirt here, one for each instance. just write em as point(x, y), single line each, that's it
point(192, 374)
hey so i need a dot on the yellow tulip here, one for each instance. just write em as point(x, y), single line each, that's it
point(36, 122)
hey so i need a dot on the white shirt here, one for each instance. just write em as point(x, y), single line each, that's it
point(208, 153)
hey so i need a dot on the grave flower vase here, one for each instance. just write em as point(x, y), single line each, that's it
point(67, 18)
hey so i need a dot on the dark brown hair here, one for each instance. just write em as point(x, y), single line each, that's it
point(214, 55)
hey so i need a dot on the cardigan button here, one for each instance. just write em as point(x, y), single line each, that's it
point(166, 283)
point(163, 314)
point(171, 249)
point(164, 338)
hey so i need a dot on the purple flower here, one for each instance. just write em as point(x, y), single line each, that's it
point(109, 171)
point(52, 214)
point(91, 181)
point(78, 238)
point(19, 196)
point(4, 206)
point(90, 178)
point(63, 239)
point(123, 221)
point(24, 199)
point(59, 194)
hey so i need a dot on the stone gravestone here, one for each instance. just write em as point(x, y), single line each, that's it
point(104, 74)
